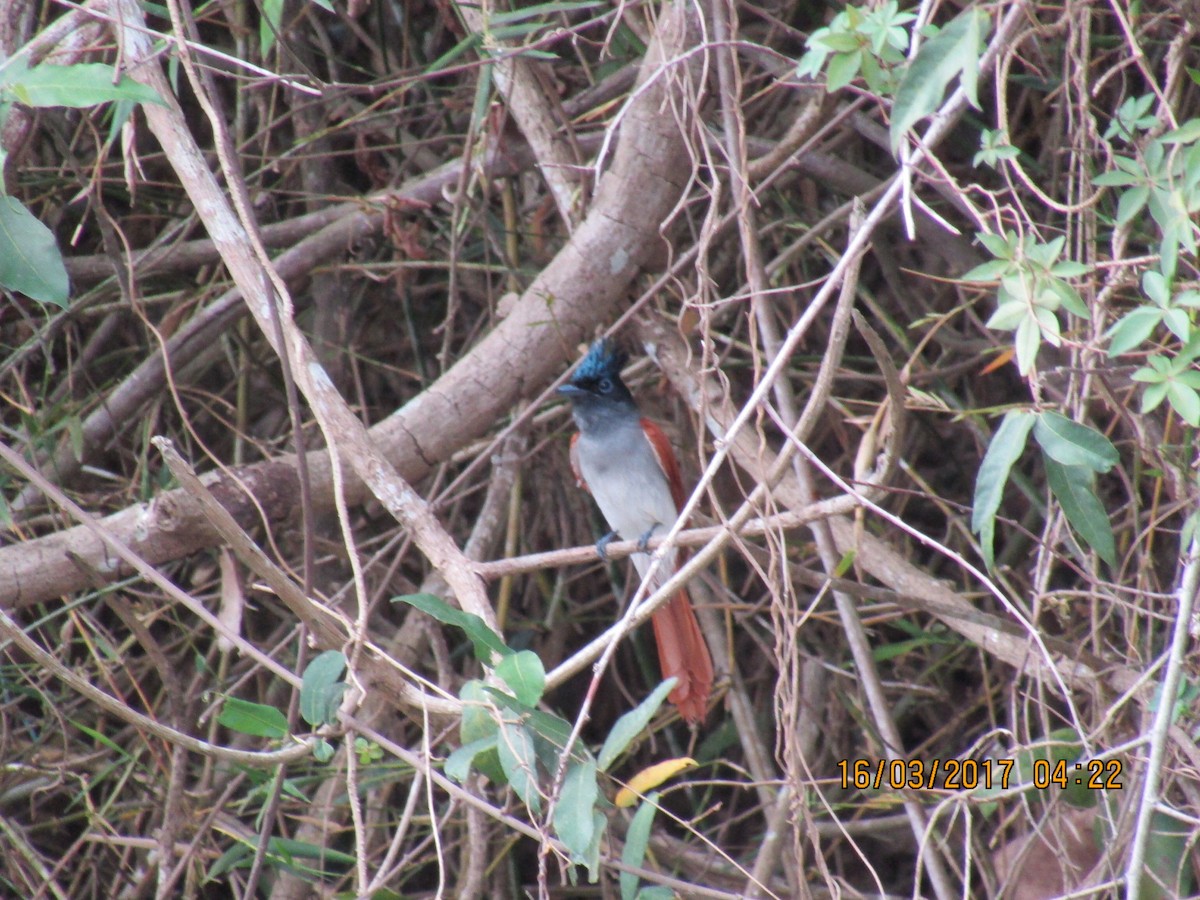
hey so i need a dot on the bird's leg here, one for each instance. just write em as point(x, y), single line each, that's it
point(644, 540)
point(602, 544)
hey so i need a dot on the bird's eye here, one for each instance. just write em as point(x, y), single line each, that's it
point(605, 385)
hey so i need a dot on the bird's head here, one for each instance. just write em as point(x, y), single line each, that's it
point(596, 383)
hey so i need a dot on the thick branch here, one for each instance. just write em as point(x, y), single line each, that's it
point(581, 287)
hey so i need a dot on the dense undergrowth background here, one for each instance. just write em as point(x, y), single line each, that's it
point(384, 150)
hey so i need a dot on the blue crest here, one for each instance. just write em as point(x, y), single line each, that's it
point(603, 359)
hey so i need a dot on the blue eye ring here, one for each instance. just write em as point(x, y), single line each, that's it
point(605, 385)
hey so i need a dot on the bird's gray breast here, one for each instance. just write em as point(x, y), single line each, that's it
point(624, 476)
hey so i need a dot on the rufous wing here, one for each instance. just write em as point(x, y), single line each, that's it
point(666, 461)
point(682, 650)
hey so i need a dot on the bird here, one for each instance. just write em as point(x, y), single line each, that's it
point(626, 462)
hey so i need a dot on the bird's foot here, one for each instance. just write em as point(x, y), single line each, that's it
point(644, 540)
point(602, 544)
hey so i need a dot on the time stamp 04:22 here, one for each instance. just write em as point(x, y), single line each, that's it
point(971, 774)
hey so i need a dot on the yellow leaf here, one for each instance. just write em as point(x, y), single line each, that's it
point(1002, 359)
point(651, 777)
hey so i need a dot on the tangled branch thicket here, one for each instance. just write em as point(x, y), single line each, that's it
point(452, 202)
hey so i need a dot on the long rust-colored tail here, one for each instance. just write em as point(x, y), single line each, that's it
point(683, 652)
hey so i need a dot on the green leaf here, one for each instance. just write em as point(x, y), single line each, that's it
point(77, 86)
point(574, 821)
point(477, 718)
point(458, 763)
point(1073, 488)
point(479, 724)
point(552, 733)
point(1190, 351)
point(74, 427)
point(1069, 268)
point(988, 271)
point(293, 849)
point(118, 752)
point(952, 51)
point(1116, 178)
point(1169, 873)
point(1045, 254)
point(1191, 175)
point(1184, 401)
point(512, 33)
point(1006, 448)
point(524, 674)
point(323, 750)
point(1178, 323)
point(1132, 202)
point(1156, 286)
point(1048, 323)
point(897, 649)
point(637, 839)
point(994, 148)
point(228, 861)
point(542, 9)
point(1153, 395)
point(811, 63)
point(1168, 248)
point(256, 719)
point(534, 53)
point(842, 69)
point(485, 641)
point(281, 853)
point(1009, 315)
point(321, 688)
point(632, 724)
point(844, 42)
point(12, 69)
point(1073, 444)
point(1188, 132)
point(29, 259)
point(1186, 693)
point(268, 25)
point(1159, 369)
point(844, 564)
point(519, 761)
point(368, 752)
point(1001, 246)
point(1068, 296)
point(1134, 328)
point(1028, 341)
point(878, 79)
point(591, 858)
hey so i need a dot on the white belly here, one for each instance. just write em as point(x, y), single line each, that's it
point(629, 486)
